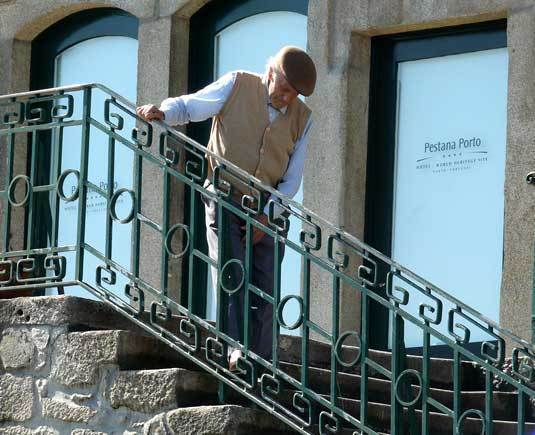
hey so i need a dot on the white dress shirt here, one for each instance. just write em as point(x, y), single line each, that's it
point(207, 103)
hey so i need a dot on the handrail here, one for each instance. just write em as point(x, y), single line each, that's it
point(44, 116)
point(284, 198)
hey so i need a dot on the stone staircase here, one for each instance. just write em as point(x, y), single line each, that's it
point(75, 366)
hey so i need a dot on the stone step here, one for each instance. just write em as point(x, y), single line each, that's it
point(379, 419)
point(77, 356)
point(439, 424)
point(82, 314)
point(379, 390)
point(440, 369)
point(289, 350)
point(88, 341)
point(216, 420)
point(440, 372)
point(76, 314)
point(151, 391)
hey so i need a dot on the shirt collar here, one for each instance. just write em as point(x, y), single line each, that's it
point(265, 82)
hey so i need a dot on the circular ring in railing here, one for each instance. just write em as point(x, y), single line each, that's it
point(407, 374)
point(338, 348)
point(280, 310)
point(169, 238)
point(228, 270)
point(113, 203)
point(465, 415)
point(61, 182)
point(11, 191)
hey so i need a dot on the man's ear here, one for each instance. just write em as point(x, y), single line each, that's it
point(270, 74)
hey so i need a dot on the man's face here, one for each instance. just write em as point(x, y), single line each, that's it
point(281, 93)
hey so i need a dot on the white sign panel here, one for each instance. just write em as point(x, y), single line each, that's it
point(111, 61)
point(449, 178)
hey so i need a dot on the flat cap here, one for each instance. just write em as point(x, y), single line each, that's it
point(298, 68)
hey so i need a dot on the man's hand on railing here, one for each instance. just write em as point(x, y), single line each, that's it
point(149, 112)
point(258, 234)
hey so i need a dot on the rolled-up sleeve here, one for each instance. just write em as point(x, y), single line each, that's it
point(201, 105)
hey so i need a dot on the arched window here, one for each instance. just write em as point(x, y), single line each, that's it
point(229, 35)
point(95, 46)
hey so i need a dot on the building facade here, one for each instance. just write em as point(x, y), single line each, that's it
point(423, 120)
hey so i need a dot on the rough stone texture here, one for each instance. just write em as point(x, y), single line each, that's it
point(16, 398)
point(338, 34)
point(61, 409)
point(21, 430)
point(215, 420)
point(16, 349)
point(61, 310)
point(149, 391)
point(73, 364)
point(519, 234)
point(145, 391)
point(40, 338)
point(87, 432)
point(154, 61)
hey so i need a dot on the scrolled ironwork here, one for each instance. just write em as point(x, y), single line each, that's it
point(288, 390)
point(338, 349)
point(464, 416)
point(108, 114)
point(403, 377)
point(390, 288)
point(221, 186)
point(170, 155)
point(7, 270)
point(54, 267)
point(12, 187)
point(494, 352)
point(190, 330)
point(461, 339)
point(215, 352)
point(252, 203)
point(12, 113)
point(113, 205)
point(169, 238)
point(436, 310)
point(61, 182)
point(142, 136)
point(227, 274)
point(523, 366)
point(136, 297)
point(304, 406)
point(310, 239)
point(280, 312)
point(100, 276)
point(48, 109)
point(68, 109)
point(196, 170)
point(328, 422)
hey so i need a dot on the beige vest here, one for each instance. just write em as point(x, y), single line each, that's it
point(241, 133)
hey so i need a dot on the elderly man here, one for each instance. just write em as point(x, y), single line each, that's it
point(260, 125)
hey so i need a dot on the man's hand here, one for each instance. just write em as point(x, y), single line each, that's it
point(149, 112)
point(258, 234)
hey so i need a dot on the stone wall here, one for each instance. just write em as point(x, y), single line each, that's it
point(339, 39)
point(74, 366)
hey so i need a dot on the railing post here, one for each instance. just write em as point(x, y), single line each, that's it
point(84, 160)
point(222, 300)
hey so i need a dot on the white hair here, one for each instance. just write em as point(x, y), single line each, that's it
point(272, 64)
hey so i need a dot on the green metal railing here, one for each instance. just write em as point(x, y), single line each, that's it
point(40, 188)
